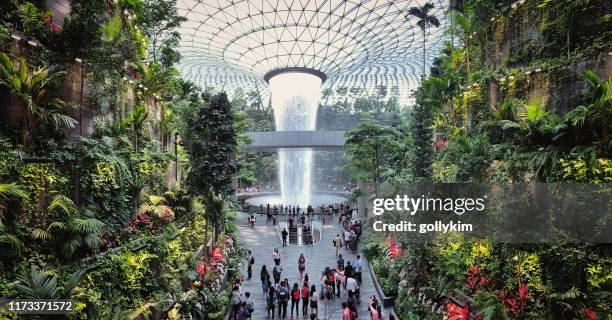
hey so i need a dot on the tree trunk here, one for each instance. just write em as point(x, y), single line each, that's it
point(424, 35)
point(467, 54)
point(206, 240)
point(452, 31)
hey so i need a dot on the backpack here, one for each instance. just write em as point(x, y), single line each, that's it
point(252, 261)
point(282, 295)
point(330, 277)
point(296, 295)
point(271, 298)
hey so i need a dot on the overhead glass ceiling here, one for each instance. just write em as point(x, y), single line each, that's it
point(366, 48)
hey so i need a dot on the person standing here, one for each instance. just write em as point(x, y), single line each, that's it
point(252, 220)
point(347, 239)
point(314, 301)
point(283, 298)
point(301, 265)
point(338, 244)
point(250, 305)
point(276, 273)
point(236, 301)
point(264, 276)
point(352, 287)
point(295, 299)
point(305, 298)
point(348, 271)
point(326, 296)
point(357, 266)
point(346, 312)
point(339, 280)
point(271, 300)
point(251, 262)
point(340, 262)
point(276, 256)
point(284, 235)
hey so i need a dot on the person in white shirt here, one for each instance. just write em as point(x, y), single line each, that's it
point(351, 284)
point(347, 239)
point(276, 256)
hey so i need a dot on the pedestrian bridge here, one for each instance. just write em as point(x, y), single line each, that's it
point(274, 140)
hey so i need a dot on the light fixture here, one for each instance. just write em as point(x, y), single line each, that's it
point(528, 72)
point(33, 43)
point(538, 70)
point(17, 36)
point(125, 78)
point(131, 81)
point(78, 60)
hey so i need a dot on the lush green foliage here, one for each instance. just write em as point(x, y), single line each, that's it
point(506, 107)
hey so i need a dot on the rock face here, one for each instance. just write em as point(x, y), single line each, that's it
point(534, 36)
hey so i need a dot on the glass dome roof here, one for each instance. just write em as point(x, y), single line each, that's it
point(363, 47)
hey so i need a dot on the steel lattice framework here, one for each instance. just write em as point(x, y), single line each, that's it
point(365, 48)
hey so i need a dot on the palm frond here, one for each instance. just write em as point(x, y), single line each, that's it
point(57, 225)
point(92, 241)
point(12, 191)
point(89, 226)
point(62, 202)
point(73, 281)
point(40, 234)
point(12, 241)
point(36, 284)
point(70, 246)
point(508, 124)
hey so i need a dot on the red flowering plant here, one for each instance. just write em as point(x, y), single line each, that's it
point(455, 312)
point(201, 270)
point(393, 251)
point(589, 313)
point(476, 279)
point(441, 144)
point(515, 302)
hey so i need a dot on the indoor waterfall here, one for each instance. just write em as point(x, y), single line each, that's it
point(295, 98)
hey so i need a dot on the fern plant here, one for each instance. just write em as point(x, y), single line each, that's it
point(69, 231)
point(156, 206)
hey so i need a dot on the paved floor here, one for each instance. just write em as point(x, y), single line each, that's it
point(263, 238)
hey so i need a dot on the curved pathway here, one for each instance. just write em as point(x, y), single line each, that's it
point(263, 238)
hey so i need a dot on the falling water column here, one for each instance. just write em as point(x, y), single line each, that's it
point(295, 98)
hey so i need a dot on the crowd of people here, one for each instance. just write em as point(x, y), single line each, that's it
point(315, 297)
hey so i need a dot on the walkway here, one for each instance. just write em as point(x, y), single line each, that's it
point(262, 239)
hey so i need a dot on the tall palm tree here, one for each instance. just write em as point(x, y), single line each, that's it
point(33, 87)
point(425, 20)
